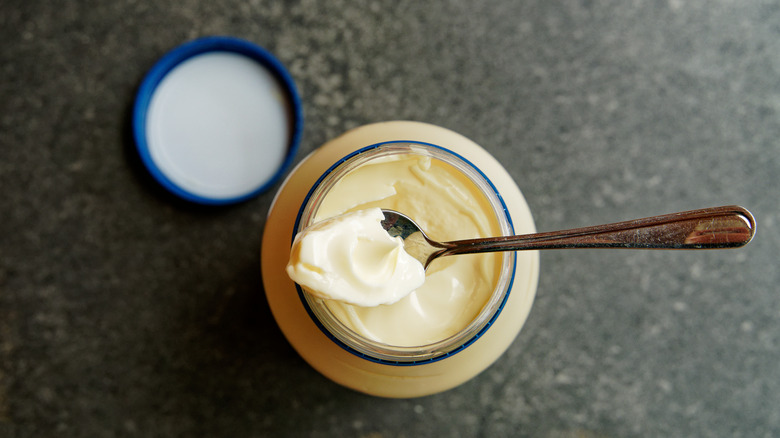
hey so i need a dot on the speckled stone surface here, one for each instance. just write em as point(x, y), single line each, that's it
point(124, 312)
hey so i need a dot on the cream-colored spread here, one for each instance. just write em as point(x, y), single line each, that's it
point(316, 345)
point(448, 206)
point(351, 258)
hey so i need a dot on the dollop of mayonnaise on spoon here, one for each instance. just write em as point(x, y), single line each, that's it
point(351, 258)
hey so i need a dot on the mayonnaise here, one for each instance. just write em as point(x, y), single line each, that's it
point(351, 258)
point(337, 350)
point(447, 206)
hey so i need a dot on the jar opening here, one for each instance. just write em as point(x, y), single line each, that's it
point(385, 353)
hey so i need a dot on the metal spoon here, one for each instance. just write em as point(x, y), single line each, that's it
point(708, 228)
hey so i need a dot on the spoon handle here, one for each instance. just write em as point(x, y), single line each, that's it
point(708, 228)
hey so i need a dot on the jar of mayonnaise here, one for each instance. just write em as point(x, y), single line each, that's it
point(470, 308)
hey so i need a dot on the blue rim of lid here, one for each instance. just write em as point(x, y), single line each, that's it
point(184, 52)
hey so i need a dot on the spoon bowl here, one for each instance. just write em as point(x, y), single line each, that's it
point(709, 228)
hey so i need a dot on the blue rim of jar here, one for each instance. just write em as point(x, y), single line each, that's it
point(467, 343)
point(184, 52)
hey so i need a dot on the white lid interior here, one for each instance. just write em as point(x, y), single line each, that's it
point(218, 125)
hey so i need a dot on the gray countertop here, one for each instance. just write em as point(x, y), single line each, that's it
point(125, 312)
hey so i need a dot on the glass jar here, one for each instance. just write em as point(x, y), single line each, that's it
point(373, 367)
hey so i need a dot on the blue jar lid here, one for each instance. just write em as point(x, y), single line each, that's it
point(217, 120)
